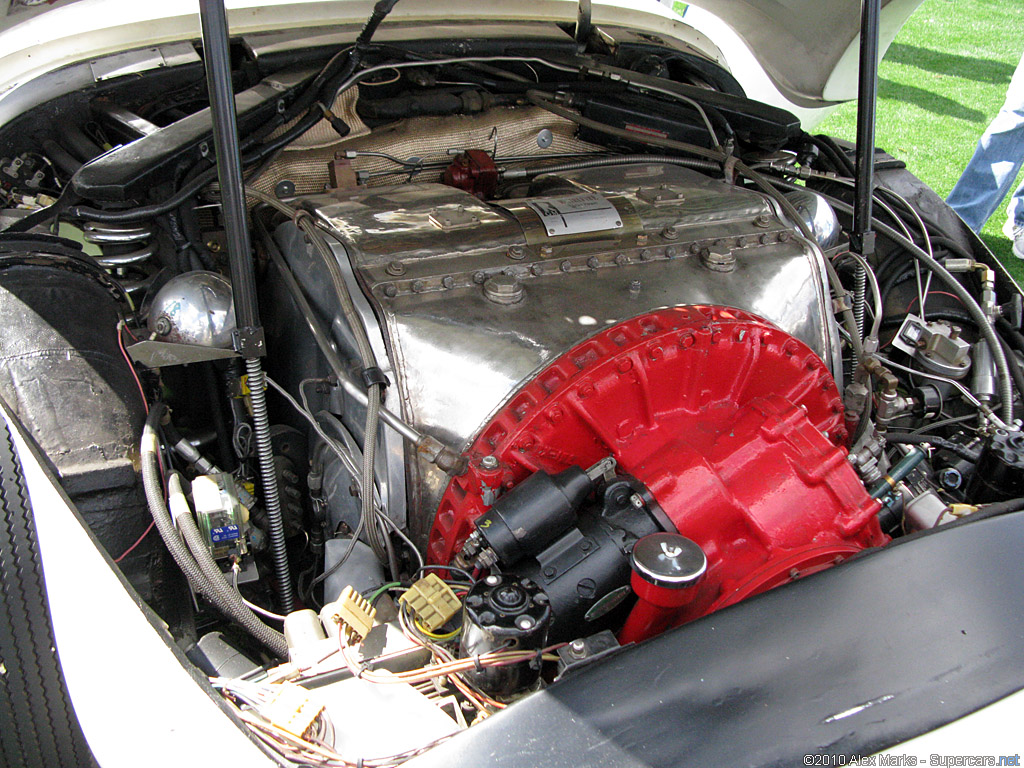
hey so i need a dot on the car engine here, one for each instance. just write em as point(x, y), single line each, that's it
point(535, 331)
point(535, 355)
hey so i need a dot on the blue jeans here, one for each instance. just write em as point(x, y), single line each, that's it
point(996, 162)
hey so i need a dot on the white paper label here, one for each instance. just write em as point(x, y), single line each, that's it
point(573, 214)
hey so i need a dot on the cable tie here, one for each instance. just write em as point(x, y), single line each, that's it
point(476, 663)
point(729, 168)
point(374, 375)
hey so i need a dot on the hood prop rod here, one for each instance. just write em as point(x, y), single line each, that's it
point(584, 23)
point(248, 338)
point(867, 96)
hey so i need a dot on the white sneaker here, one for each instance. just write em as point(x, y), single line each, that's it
point(1016, 235)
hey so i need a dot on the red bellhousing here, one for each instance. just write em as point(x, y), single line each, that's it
point(734, 426)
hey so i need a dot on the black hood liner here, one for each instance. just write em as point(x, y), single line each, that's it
point(850, 661)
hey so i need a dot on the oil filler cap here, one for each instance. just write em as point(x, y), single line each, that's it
point(668, 560)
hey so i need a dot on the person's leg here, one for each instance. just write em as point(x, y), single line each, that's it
point(1015, 210)
point(1014, 228)
point(996, 161)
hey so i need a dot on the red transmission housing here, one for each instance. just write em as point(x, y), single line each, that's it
point(734, 426)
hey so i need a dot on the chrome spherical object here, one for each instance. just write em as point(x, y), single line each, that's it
point(815, 211)
point(194, 308)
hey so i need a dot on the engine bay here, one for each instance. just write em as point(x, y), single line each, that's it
point(548, 352)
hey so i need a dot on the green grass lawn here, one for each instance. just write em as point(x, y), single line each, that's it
point(940, 84)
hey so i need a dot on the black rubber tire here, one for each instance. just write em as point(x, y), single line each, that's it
point(38, 726)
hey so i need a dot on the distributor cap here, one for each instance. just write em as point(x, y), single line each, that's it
point(502, 604)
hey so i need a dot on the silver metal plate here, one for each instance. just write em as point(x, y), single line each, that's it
point(457, 356)
point(576, 214)
point(160, 354)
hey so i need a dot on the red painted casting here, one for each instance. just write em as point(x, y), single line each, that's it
point(735, 426)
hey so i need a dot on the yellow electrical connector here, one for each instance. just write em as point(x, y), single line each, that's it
point(292, 709)
point(432, 601)
point(352, 612)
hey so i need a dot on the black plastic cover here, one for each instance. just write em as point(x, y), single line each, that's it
point(127, 172)
point(753, 121)
point(849, 661)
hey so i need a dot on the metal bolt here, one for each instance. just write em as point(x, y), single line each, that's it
point(718, 260)
point(395, 268)
point(503, 289)
point(516, 252)
point(545, 138)
point(525, 622)
point(577, 648)
point(284, 188)
point(593, 262)
point(951, 478)
point(586, 545)
point(783, 237)
point(762, 220)
point(448, 281)
point(550, 571)
point(479, 277)
point(565, 266)
point(621, 259)
point(418, 286)
point(764, 239)
point(492, 580)
point(695, 248)
point(634, 285)
point(163, 325)
point(537, 269)
point(390, 290)
point(670, 233)
point(489, 462)
point(671, 251)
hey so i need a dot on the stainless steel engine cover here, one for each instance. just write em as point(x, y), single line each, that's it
point(472, 298)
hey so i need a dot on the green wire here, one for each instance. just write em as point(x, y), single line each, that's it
point(380, 591)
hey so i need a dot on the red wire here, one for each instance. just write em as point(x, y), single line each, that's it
point(913, 301)
point(131, 367)
point(145, 404)
point(138, 541)
point(129, 332)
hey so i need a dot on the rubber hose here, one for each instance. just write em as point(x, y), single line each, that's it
point(912, 438)
point(268, 481)
point(61, 157)
point(1014, 364)
point(153, 487)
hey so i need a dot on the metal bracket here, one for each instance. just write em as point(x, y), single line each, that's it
point(249, 342)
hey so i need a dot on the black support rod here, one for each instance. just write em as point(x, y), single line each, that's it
point(867, 95)
point(249, 336)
